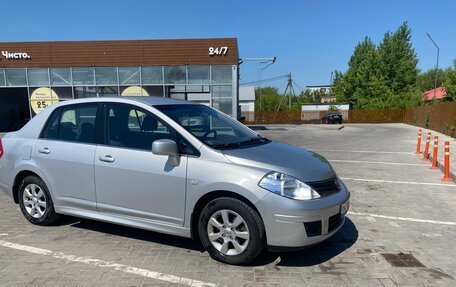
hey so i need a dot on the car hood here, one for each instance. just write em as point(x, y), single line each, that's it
point(302, 164)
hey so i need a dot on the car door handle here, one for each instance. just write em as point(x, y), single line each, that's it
point(106, 158)
point(44, 150)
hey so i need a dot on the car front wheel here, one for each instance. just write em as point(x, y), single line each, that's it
point(35, 201)
point(231, 231)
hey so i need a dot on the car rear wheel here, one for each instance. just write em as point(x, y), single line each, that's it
point(35, 201)
point(231, 231)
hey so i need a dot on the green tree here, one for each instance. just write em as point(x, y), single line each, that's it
point(426, 80)
point(450, 82)
point(362, 84)
point(383, 76)
point(398, 61)
point(267, 99)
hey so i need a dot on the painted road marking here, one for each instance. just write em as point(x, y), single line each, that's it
point(398, 182)
point(377, 162)
point(431, 234)
point(359, 151)
point(106, 264)
point(402, 218)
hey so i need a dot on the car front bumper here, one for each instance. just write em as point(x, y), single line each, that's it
point(297, 223)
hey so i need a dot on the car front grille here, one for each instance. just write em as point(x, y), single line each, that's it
point(326, 187)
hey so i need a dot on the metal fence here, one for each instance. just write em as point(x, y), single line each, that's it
point(439, 117)
point(281, 117)
point(375, 116)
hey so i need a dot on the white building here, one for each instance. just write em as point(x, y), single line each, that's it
point(247, 101)
point(325, 88)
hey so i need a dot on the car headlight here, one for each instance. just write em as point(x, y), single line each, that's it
point(287, 186)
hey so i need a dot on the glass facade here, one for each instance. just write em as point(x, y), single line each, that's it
point(215, 85)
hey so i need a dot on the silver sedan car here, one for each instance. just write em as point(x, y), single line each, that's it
point(173, 167)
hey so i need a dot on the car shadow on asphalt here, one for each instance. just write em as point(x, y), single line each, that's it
point(138, 234)
point(314, 255)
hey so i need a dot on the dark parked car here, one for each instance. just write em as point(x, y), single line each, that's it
point(332, 118)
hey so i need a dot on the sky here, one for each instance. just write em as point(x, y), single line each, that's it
point(310, 38)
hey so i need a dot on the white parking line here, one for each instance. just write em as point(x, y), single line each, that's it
point(106, 264)
point(359, 151)
point(377, 162)
point(398, 182)
point(402, 218)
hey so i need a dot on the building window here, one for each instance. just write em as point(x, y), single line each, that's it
point(15, 77)
point(107, 91)
point(38, 77)
point(60, 77)
point(129, 76)
point(2, 77)
point(152, 75)
point(222, 99)
point(175, 75)
point(106, 76)
point(198, 75)
point(64, 93)
point(85, 92)
point(222, 75)
point(177, 92)
point(154, 91)
point(83, 76)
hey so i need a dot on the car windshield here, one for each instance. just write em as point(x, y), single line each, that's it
point(212, 127)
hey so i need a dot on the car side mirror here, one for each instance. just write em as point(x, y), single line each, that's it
point(169, 148)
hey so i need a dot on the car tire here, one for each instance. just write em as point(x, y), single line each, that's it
point(35, 201)
point(251, 228)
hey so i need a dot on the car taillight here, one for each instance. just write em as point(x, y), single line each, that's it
point(1, 148)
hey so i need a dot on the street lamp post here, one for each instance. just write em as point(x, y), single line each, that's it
point(436, 66)
point(268, 61)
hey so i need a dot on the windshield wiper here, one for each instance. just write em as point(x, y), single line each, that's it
point(254, 140)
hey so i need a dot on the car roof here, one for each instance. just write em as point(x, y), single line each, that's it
point(151, 101)
point(159, 101)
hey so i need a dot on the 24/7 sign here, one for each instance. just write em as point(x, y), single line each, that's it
point(218, 51)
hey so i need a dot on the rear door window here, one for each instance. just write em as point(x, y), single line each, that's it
point(75, 123)
point(52, 127)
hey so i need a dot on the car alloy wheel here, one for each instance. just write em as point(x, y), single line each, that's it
point(228, 232)
point(231, 231)
point(34, 200)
